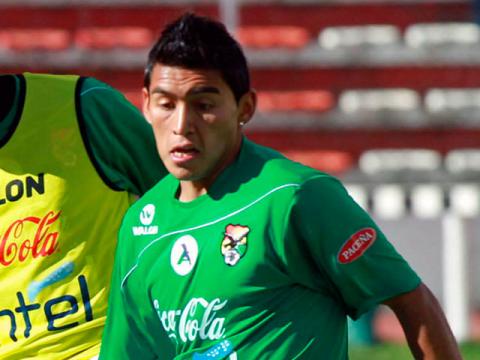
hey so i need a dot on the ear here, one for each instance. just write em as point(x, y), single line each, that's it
point(247, 106)
point(145, 104)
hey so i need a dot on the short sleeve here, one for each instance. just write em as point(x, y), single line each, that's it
point(119, 137)
point(337, 248)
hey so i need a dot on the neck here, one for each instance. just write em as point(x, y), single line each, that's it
point(7, 95)
point(190, 190)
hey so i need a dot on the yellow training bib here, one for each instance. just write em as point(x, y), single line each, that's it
point(58, 230)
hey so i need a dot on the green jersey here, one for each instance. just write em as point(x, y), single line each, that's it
point(266, 265)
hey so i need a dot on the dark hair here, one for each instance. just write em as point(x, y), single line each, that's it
point(196, 42)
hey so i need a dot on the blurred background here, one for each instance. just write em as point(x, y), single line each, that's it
point(384, 94)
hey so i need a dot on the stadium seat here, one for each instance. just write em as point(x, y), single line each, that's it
point(463, 161)
point(421, 35)
point(442, 100)
point(113, 37)
point(306, 100)
point(427, 200)
point(20, 39)
point(334, 162)
point(389, 201)
point(465, 199)
point(366, 35)
point(352, 101)
point(377, 161)
point(293, 37)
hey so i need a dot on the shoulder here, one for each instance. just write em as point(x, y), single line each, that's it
point(90, 86)
point(100, 101)
point(269, 173)
point(96, 93)
point(281, 169)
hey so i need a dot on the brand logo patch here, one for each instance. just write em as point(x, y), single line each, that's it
point(57, 310)
point(356, 245)
point(235, 243)
point(184, 255)
point(146, 218)
point(17, 189)
point(200, 319)
point(147, 214)
point(30, 237)
point(218, 351)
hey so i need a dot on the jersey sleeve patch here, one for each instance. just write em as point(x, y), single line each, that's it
point(356, 245)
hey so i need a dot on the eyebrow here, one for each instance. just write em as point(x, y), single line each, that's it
point(195, 91)
point(204, 89)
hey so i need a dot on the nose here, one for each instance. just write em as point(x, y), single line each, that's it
point(183, 124)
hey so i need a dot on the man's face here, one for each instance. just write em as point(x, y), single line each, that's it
point(196, 121)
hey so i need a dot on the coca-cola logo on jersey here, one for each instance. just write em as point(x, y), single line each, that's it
point(29, 238)
point(197, 320)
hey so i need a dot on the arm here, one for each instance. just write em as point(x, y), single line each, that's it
point(369, 277)
point(425, 326)
point(121, 141)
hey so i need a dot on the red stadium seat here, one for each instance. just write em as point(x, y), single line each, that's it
point(273, 36)
point(113, 37)
point(302, 100)
point(330, 161)
point(34, 39)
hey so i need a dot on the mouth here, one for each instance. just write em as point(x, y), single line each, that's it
point(183, 153)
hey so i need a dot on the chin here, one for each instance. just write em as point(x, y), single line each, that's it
point(181, 174)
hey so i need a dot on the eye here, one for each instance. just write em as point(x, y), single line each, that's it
point(204, 106)
point(166, 105)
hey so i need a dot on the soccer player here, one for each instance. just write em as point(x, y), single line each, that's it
point(73, 153)
point(247, 255)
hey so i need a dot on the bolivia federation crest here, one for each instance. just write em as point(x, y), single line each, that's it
point(234, 244)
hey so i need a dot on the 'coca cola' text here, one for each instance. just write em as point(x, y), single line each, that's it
point(198, 320)
point(29, 238)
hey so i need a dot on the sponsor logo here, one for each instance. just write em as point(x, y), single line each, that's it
point(56, 310)
point(217, 351)
point(234, 243)
point(184, 255)
point(15, 244)
point(60, 273)
point(147, 214)
point(146, 218)
point(18, 188)
point(198, 320)
point(356, 245)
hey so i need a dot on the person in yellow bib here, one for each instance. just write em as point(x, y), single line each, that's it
point(73, 155)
